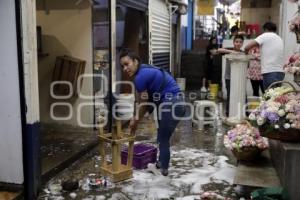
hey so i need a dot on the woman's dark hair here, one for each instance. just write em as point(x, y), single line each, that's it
point(234, 29)
point(211, 46)
point(238, 37)
point(211, 39)
point(270, 26)
point(130, 53)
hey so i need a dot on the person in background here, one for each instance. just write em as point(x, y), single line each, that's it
point(238, 42)
point(156, 82)
point(234, 31)
point(272, 58)
point(211, 50)
point(254, 72)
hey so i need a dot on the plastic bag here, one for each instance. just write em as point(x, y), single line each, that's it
point(270, 194)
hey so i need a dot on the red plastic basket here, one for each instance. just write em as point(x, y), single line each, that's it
point(143, 154)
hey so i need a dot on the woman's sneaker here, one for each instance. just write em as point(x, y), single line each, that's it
point(164, 172)
point(157, 164)
point(152, 168)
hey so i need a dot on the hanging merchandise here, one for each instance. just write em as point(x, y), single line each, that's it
point(206, 7)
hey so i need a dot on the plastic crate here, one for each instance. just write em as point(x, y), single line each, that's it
point(143, 154)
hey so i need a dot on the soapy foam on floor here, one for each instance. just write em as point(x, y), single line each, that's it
point(189, 171)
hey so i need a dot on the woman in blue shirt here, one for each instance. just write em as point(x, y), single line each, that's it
point(162, 90)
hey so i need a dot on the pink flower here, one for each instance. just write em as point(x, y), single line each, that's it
point(244, 136)
point(294, 24)
point(282, 99)
point(293, 63)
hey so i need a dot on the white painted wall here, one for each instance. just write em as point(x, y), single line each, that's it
point(289, 38)
point(11, 165)
point(67, 30)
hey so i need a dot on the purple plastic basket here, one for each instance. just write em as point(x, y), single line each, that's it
point(143, 154)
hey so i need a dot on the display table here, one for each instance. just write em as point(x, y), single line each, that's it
point(286, 159)
point(238, 65)
point(257, 173)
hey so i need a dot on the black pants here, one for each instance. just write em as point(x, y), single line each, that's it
point(256, 84)
point(227, 84)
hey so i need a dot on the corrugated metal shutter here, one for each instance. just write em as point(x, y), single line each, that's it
point(160, 34)
point(141, 5)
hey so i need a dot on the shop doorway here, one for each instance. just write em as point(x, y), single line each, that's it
point(66, 69)
point(76, 74)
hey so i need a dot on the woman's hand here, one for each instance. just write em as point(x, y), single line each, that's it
point(133, 125)
point(213, 51)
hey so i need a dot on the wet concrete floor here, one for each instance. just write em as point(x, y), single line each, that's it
point(205, 145)
point(199, 163)
point(61, 146)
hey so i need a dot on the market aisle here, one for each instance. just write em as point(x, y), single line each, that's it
point(198, 163)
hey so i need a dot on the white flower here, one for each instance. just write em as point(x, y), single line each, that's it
point(286, 125)
point(276, 126)
point(281, 113)
point(291, 116)
point(252, 116)
point(261, 121)
point(287, 107)
point(293, 125)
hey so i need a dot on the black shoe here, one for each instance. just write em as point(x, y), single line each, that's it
point(164, 172)
point(157, 165)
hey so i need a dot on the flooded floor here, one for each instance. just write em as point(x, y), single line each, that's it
point(60, 147)
point(199, 163)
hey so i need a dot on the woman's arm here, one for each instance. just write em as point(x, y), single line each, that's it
point(213, 51)
point(139, 112)
point(250, 45)
point(226, 51)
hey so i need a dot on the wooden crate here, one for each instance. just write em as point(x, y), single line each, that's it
point(67, 69)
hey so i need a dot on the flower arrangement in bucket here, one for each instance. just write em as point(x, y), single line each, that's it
point(245, 141)
point(278, 116)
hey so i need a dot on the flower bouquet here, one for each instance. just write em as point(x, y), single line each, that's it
point(245, 141)
point(278, 116)
point(210, 195)
point(293, 64)
point(293, 67)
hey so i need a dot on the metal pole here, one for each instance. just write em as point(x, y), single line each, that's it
point(112, 47)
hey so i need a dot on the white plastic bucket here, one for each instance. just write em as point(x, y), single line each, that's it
point(125, 96)
point(181, 83)
point(124, 107)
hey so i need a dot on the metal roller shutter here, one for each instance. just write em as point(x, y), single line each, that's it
point(141, 5)
point(160, 34)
